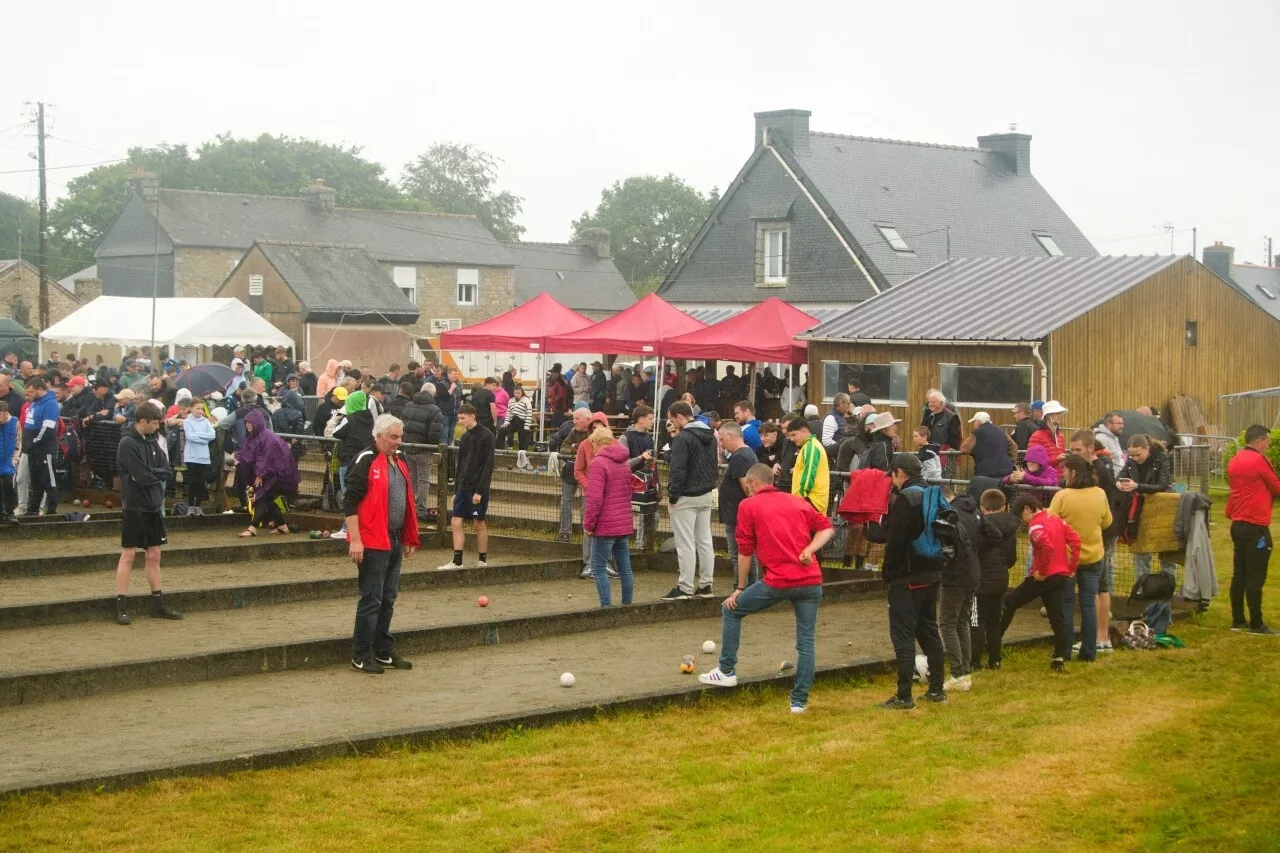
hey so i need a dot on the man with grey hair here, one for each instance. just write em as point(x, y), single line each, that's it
point(941, 421)
point(382, 530)
point(833, 423)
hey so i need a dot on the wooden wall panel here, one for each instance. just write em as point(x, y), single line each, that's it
point(1132, 350)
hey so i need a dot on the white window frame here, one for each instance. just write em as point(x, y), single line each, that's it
point(984, 404)
point(1050, 245)
point(895, 239)
point(440, 325)
point(406, 278)
point(782, 257)
point(468, 278)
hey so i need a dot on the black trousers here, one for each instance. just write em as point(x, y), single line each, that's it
point(267, 506)
point(987, 637)
point(1049, 591)
point(1252, 545)
point(913, 617)
point(8, 495)
point(43, 482)
point(196, 479)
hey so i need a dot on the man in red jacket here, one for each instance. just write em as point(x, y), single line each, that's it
point(784, 533)
point(1254, 486)
point(382, 528)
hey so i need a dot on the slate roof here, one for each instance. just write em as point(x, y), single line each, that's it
point(235, 221)
point(711, 316)
point(69, 283)
point(992, 299)
point(338, 279)
point(1260, 284)
point(572, 273)
point(918, 188)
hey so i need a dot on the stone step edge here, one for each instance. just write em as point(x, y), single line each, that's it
point(30, 688)
point(41, 614)
point(422, 737)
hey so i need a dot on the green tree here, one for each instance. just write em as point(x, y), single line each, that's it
point(651, 221)
point(266, 165)
point(454, 178)
point(17, 216)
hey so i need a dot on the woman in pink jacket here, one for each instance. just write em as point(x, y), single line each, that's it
point(328, 379)
point(607, 514)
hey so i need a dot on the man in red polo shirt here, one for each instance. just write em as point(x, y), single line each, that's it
point(784, 533)
point(1254, 486)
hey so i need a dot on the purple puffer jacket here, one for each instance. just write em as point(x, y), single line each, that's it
point(608, 501)
point(1047, 475)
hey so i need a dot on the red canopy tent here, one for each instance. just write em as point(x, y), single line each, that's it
point(641, 329)
point(764, 332)
point(525, 327)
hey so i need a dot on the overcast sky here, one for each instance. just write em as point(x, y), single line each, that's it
point(1142, 113)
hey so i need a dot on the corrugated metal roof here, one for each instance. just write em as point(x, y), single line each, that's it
point(711, 316)
point(992, 299)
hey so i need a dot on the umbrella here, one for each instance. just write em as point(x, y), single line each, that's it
point(204, 379)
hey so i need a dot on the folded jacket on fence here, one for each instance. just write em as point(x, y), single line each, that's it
point(867, 498)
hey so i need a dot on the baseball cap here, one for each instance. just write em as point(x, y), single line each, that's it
point(980, 417)
point(339, 394)
point(76, 382)
point(1037, 404)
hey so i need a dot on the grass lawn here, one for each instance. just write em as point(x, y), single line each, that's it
point(1141, 751)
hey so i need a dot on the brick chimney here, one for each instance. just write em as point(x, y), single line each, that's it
point(599, 241)
point(1013, 148)
point(323, 198)
point(88, 289)
point(1219, 258)
point(790, 127)
point(147, 185)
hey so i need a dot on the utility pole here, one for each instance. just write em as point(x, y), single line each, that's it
point(43, 263)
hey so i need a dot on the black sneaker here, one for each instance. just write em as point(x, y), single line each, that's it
point(1058, 665)
point(995, 664)
point(705, 592)
point(896, 704)
point(1239, 626)
point(368, 665)
point(122, 618)
point(160, 610)
point(676, 594)
point(1264, 631)
point(937, 697)
point(394, 661)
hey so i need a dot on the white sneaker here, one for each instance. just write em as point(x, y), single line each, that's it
point(1076, 648)
point(798, 709)
point(870, 567)
point(338, 534)
point(482, 564)
point(585, 574)
point(611, 571)
point(957, 685)
point(448, 567)
point(716, 678)
point(1105, 648)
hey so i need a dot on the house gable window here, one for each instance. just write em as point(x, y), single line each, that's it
point(1049, 245)
point(406, 278)
point(468, 287)
point(885, 384)
point(894, 239)
point(773, 253)
point(982, 387)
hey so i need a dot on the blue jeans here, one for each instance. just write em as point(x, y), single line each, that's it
point(1086, 580)
point(450, 424)
point(379, 583)
point(1142, 566)
point(619, 549)
point(730, 531)
point(760, 596)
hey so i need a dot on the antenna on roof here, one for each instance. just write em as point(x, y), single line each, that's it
point(1013, 127)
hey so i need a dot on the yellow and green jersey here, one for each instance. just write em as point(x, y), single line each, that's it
point(811, 478)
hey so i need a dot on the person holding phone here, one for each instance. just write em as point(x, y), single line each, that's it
point(1148, 471)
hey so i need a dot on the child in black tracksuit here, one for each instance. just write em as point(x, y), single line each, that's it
point(996, 555)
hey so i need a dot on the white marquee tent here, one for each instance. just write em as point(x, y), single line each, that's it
point(125, 321)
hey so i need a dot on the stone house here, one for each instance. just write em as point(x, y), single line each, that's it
point(825, 221)
point(447, 265)
point(20, 295)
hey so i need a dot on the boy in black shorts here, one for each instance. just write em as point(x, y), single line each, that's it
point(471, 500)
point(144, 470)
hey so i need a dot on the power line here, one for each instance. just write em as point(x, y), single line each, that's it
point(68, 166)
point(87, 147)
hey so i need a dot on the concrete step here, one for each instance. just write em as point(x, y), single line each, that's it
point(102, 657)
point(105, 523)
point(31, 602)
point(110, 741)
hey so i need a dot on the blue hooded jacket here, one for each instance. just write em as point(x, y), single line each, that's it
point(40, 429)
point(8, 441)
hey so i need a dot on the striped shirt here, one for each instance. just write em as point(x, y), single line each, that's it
point(810, 479)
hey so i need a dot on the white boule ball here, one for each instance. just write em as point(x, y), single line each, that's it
point(567, 680)
point(708, 647)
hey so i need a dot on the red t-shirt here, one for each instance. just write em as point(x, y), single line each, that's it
point(1253, 486)
point(775, 527)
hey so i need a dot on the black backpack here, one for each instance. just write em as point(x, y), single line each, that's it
point(1157, 586)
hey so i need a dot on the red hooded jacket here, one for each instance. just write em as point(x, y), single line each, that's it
point(366, 497)
point(1054, 545)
